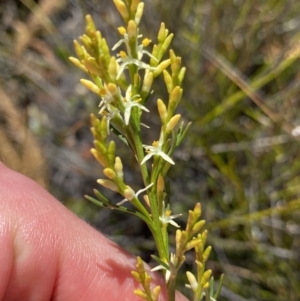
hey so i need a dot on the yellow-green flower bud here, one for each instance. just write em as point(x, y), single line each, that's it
point(112, 88)
point(78, 64)
point(146, 42)
point(148, 80)
point(147, 280)
point(108, 184)
point(119, 167)
point(183, 237)
point(109, 173)
point(181, 74)
point(103, 128)
point(121, 30)
point(192, 244)
point(111, 152)
point(162, 110)
point(168, 81)
point(136, 276)
point(175, 98)
point(172, 55)
point(198, 226)
point(154, 62)
point(156, 293)
point(199, 250)
point(199, 265)
point(131, 30)
point(129, 193)
point(197, 210)
point(100, 147)
point(87, 42)
point(166, 44)
point(206, 253)
point(80, 51)
point(141, 294)
point(204, 236)
point(160, 184)
point(112, 68)
point(162, 33)
point(140, 265)
point(90, 25)
point(205, 277)
point(136, 80)
point(172, 123)
point(122, 9)
point(105, 49)
point(134, 5)
point(94, 120)
point(175, 66)
point(193, 281)
point(146, 199)
point(90, 85)
point(178, 237)
point(161, 67)
point(93, 131)
point(98, 157)
point(91, 64)
point(139, 12)
point(98, 38)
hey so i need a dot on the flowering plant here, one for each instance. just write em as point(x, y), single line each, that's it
point(124, 84)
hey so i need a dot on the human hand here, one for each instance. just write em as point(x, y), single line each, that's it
point(48, 253)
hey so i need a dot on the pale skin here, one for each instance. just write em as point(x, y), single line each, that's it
point(48, 253)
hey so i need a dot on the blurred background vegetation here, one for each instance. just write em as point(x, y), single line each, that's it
point(241, 159)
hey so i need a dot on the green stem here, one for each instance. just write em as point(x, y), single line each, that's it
point(158, 235)
point(171, 288)
point(156, 230)
point(139, 152)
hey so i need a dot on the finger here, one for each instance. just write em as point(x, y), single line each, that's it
point(47, 253)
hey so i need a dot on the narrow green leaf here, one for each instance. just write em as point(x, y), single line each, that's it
point(217, 293)
point(161, 262)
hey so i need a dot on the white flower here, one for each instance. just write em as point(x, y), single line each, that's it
point(167, 218)
point(156, 150)
point(128, 59)
point(130, 194)
point(106, 99)
point(110, 114)
point(139, 48)
point(130, 102)
point(161, 267)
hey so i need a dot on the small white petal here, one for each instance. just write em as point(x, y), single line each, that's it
point(150, 55)
point(127, 115)
point(144, 189)
point(147, 157)
point(118, 44)
point(122, 202)
point(165, 157)
point(173, 223)
point(157, 268)
point(121, 69)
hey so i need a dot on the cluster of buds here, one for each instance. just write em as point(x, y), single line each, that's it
point(123, 83)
